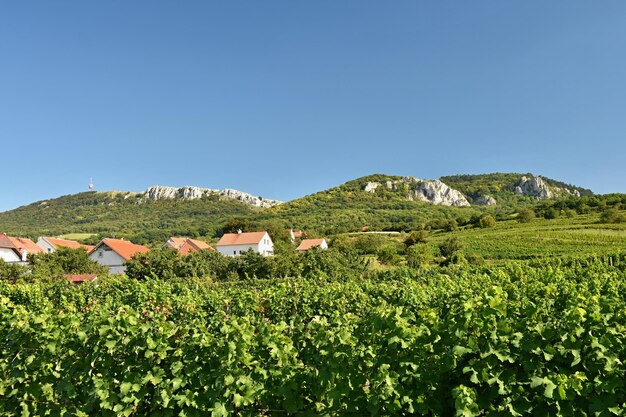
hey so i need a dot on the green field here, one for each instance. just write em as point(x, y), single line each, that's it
point(77, 236)
point(578, 236)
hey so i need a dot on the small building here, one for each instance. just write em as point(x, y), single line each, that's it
point(51, 244)
point(307, 244)
point(295, 235)
point(114, 253)
point(80, 278)
point(235, 244)
point(16, 249)
point(184, 245)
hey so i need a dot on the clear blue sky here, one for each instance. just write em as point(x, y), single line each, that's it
point(285, 98)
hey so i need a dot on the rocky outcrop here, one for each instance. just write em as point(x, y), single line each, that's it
point(536, 187)
point(370, 187)
point(430, 191)
point(485, 200)
point(194, 193)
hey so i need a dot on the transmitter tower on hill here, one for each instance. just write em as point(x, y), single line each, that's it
point(90, 184)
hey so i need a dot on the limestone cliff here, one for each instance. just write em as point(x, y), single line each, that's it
point(430, 191)
point(194, 193)
point(538, 188)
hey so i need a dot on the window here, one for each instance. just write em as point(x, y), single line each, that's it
point(100, 254)
point(234, 252)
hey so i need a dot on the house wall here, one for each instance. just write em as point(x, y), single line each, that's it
point(324, 245)
point(106, 256)
point(236, 250)
point(8, 255)
point(45, 245)
point(266, 246)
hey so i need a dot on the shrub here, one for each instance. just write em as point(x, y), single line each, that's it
point(487, 221)
point(525, 215)
point(415, 237)
point(612, 216)
point(418, 256)
point(387, 254)
point(452, 225)
point(450, 246)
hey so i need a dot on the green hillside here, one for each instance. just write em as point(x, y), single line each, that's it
point(122, 214)
point(345, 208)
point(501, 186)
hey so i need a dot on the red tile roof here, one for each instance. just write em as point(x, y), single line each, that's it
point(252, 238)
point(5, 242)
point(124, 248)
point(185, 245)
point(24, 244)
point(64, 243)
point(81, 277)
point(307, 244)
point(194, 246)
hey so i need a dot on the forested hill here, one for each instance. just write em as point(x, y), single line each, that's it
point(377, 202)
point(502, 186)
point(123, 214)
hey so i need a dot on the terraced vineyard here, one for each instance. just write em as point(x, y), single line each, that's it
point(499, 340)
point(578, 236)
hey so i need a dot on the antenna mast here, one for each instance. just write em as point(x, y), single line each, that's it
point(90, 184)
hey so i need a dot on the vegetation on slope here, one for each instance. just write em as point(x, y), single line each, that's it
point(123, 215)
point(501, 186)
point(346, 208)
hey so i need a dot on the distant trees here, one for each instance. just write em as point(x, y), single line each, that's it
point(234, 225)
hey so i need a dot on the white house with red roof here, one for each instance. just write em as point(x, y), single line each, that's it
point(235, 244)
point(114, 253)
point(51, 244)
point(8, 251)
point(16, 249)
point(307, 244)
point(295, 235)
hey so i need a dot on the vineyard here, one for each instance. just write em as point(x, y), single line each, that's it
point(515, 339)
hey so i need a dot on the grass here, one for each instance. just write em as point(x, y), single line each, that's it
point(77, 236)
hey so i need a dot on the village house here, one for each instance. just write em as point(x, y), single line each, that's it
point(295, 235)
point(184, 245)
point(307, 244)
point(114, 253)
point(16, 249)
point(235, 244)
point(51, 244)
point(80, 278)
